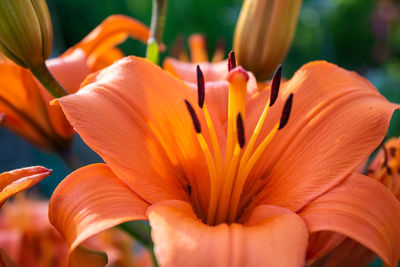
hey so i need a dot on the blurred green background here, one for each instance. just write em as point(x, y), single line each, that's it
point(361, 35)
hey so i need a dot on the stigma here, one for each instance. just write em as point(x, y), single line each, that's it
point(229, 174)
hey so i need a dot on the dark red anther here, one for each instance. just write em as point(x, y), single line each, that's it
point(231, 61)
point(286, 112)
point(189, 189)
point(240, 130)
point(200, 87)
point(276, 82)
point(196, 122)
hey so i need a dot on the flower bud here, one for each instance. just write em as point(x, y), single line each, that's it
point(264, 33)
point(25, 31)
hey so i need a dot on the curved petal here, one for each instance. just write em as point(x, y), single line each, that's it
point(272, 237)
point(15, 181)
point(90, 200)
point(363, 210)
point(338, 118)
point(348, 253)
point(321, 243)
point(23, 106)
point(70, 71)
point(105, 37)
point(187, 71)
point(140, 126)
point(83, 256)
point(5, 260)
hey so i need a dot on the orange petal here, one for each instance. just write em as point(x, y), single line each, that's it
point(18, 180)
point(363, 210)
point(348, 253)
point(187, 71)
point(22, 104)
point(83, 256)
point(5, 260)
point(338, 118)
point(321, 243)
point(105, 37)
point(272, 237)
point(140, 126)
point(198, 48)
point(90, 200)
point(70, 71)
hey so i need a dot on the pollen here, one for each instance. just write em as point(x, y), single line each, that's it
point(388, 170)
point(229, 174)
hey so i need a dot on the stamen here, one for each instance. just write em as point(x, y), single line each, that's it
point(286, 112)
point(385, 156)
point(200, 87)
point(178, 49)
point(244, 171)
point(237, 79)
point(189, 189)
point(392, 151)
point(223, 207)
point(276, 82)
point(216, 187)
point(219, 53)
point(196, 122)
point(240, 130)
point(389, 170)
point(231, 61)
point(198, 49)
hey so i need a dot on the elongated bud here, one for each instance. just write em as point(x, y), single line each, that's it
point(264, 33)
point(26, 33)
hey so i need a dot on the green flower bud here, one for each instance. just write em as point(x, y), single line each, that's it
point(26, 33)
point(264, 33)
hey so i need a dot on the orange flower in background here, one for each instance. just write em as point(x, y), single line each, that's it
point(29, 239)
point(15, 181)
point(25, 103)
point(179, 67)
point(253, 189)
point(384, 168)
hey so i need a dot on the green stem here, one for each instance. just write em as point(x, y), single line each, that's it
point(156, 29)
point(140, 231)
point(44, 76)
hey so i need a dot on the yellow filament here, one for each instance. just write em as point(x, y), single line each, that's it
point(244, 171)
point(163, 143)
point(253, 138)
point(214, 140)
point(213, 177)
point(236, 104)
point(227, 190)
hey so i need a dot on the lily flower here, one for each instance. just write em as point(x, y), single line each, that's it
point(384, 169)
point(25, 102)
point(252, 190)
point(28, 238)
point(182, 69)
point(15, 181)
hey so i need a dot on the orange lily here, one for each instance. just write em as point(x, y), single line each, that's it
point(247, 191)
point(214, 71)
point(25, 103)
point(28, 238)
point(13, 182)
point(384, 169)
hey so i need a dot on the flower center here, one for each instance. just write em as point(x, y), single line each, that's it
point(229, 175)
point(388, 171)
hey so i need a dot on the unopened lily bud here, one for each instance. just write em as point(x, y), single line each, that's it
point(25, 31)
point(264, 33)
